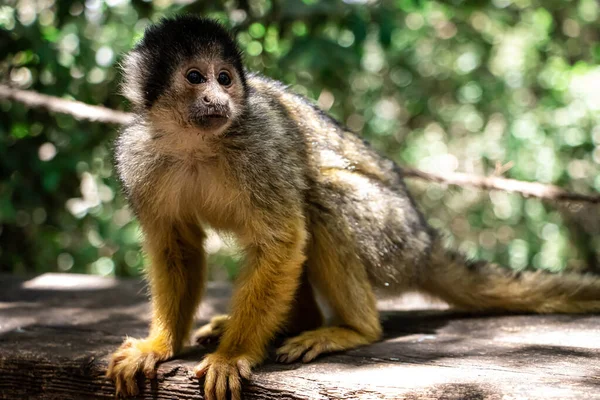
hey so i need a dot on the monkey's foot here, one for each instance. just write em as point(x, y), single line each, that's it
point(211, 332)
point(133, 356)
point(223, 374)
point(311, 344)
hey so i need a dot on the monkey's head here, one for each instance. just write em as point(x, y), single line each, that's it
point(186, 75)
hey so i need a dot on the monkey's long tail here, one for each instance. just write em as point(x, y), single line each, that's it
point(483, 286)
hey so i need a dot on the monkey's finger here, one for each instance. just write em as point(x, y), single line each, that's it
point(290, 353)
point(112, 366)
point(312, 354)
point(221, 385)
point(201, 369)
point(244, 368)
point(209, 384)
point(149, 367)
point(118, 386)
point(131, 385)
point(122, 385)
point(235, 387)
point(281, 353)
point(282, 358)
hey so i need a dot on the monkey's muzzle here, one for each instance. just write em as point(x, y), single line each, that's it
point(211, 121)
point(210, 117)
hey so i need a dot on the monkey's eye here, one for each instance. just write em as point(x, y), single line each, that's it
point(194, 77)
point(224, 78)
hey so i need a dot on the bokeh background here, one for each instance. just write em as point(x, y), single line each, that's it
point(472, 86)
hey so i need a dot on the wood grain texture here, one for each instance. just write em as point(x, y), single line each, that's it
point(57, 331)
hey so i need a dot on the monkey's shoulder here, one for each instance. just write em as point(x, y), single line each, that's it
point(296, 107)
point(330, 145)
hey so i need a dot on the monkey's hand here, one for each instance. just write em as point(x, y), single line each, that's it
point(211, 332)
point(133, 356)
point(223, 373)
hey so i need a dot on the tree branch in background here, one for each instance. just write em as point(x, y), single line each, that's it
point(84, 111)
point(528, 189)
point(76, 109)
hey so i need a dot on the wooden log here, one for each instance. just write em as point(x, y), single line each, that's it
point(57, 332)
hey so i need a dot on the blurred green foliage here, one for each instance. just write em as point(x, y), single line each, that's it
point(440, 85)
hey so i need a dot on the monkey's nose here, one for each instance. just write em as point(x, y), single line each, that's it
point(206, 100)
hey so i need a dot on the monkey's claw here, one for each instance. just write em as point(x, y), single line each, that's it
point(222, 374)
point(211, 332)
point(309, 344)
point(133, 356)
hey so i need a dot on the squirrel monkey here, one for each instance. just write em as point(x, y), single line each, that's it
point(313, 206)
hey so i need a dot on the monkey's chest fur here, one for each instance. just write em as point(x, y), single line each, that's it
point(198, 191)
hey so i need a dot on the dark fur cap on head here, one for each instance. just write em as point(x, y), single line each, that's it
point(149, 66)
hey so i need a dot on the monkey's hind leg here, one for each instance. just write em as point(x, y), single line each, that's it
point(341, 278)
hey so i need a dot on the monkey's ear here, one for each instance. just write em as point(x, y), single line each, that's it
point(132, 86)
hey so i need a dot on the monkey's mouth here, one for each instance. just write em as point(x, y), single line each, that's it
point(211, 121)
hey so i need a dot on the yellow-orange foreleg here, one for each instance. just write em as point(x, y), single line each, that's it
point(260, 305)
point(176, 277)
